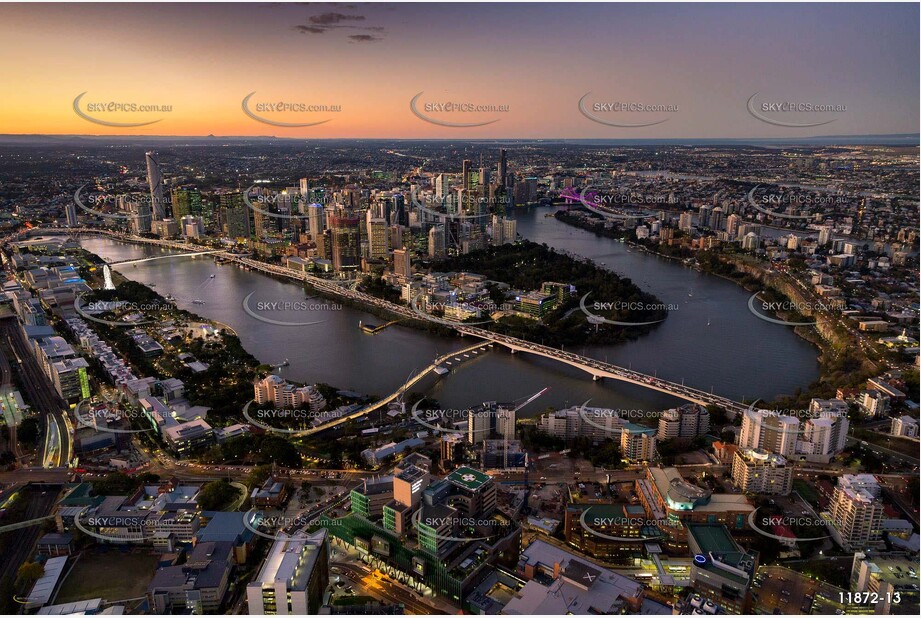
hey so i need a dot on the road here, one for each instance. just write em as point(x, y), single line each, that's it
point(387, 591)
point(57, 450)
point(6, 386)
point(17, 545)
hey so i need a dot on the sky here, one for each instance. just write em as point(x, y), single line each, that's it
point(701, 71)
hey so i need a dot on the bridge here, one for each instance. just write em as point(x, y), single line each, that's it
point(164, 257)
point(397, 394)
point(597, 369)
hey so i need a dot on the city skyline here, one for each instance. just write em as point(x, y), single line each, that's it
point(713, 70)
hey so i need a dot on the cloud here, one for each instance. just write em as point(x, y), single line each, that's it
point(310, 29)
point(324, 22)
point(327, 19)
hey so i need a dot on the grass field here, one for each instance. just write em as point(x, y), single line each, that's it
point(103, 574)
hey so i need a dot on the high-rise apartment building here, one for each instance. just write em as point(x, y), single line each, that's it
point(756, 471)
point(856, 512)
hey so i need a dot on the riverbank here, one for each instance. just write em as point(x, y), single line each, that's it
point(841, 361)
point(682, 349)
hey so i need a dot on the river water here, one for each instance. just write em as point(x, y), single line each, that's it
point(711, 341)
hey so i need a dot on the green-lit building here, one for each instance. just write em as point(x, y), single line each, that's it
point(455, 534)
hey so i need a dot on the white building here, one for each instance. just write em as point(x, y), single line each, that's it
point(687, 421)
point(857, 512)
point(905, 426)
point(596, 423)
point(293, 578)
point(758, 472)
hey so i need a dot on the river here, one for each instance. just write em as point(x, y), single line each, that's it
point(711, 341)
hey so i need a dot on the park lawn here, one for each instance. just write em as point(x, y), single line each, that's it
point(111, 575)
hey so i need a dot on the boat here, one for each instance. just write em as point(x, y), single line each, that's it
point(442, 370)
point(211, 277)
point(198, 302)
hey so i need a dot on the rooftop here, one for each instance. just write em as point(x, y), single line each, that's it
point(468, 478)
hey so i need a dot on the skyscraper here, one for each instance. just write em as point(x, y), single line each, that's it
point(377, 238)
point(503, 168)
point(441, 186)
point(155, 182)
point(70, 211)
point(345, 234)
point(315, 221)
point(402, 263)
point(236, 216)
point(437, 241)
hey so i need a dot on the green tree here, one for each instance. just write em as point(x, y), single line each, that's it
point(217, 495)
point(29, 431)
point(28, 573)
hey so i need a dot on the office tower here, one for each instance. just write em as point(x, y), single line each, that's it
point(70, 211)
point(856, 511)
point(377, 239)
point(237, 217)
point(396, 232)
point(409, 484)
point(503, 168)
point(466, 174)
point(293, 577)
point(315, 221)
point(442, 187)
point(155, 182)
point(381, 209)
point(498, 230)
point(192, 227)
point(483, 177)
point(399, 214)
point(437, 241)
point(304, 186)
point(685, 222)
point(139, 216)
point(402, 264)
point(755, 471)
point(825, 232)
point(637, 443)
point(509, 230)
point(181, 200)
point(345, 234)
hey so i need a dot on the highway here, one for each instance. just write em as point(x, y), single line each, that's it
point(57, 448)
point(387, 591)
point(16, 546)
point(6, 386)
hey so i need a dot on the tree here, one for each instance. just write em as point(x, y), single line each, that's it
point(29, 431)
point(28, 574)
point(258, 475)
point(216, 495)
